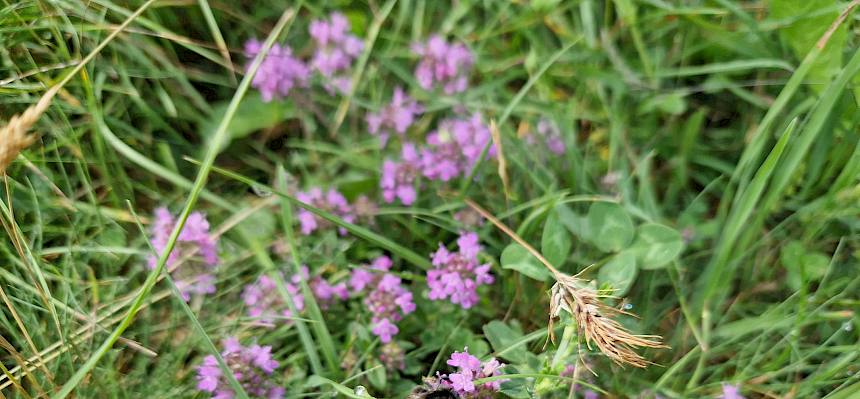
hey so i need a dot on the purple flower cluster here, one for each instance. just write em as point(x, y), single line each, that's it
point(395, 117)
point(444, 64)
point(457, 275)
point(265, 303)
point(196, 274)
point(251, 365)
point(454, 148)
point(387, 299)
point(451, 151)
point(469, 369)
point(325, 293)
point(398, 177)
point(551, 136)
point(331, 201)
point(336, 49)
point(731, 392)
point(279, 73)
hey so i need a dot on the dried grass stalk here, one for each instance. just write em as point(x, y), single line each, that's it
point(594, 319)
point(14, 137)
point(594, 322)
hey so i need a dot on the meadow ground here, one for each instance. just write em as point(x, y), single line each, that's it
point(551, 199)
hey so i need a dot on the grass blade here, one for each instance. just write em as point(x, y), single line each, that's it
point(218, 139)
point(320, 327)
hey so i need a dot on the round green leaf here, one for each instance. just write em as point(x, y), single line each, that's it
point(656, 245)
point(619, 272)
point(610, 227)
point(555, 241)
point(518, 258)
point(502, 337)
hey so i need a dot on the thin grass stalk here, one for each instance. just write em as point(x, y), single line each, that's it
point(372, 33)
point(743, 170)
point(195, 323)
point(464, 188)
point(218, 139)
point(54, 350)
point(320, 327)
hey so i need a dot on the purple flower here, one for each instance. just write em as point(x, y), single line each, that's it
point(549, 136)
point(388, 301)
point(252, 366)
point(195, 245)
point(384, 329)
point(454, 148)
point(325, 293)
point(332, 202)
point(265, 302)
point(731, 392)
point(398, 178)
point(469, 369)
point(396, 116)
point(392, 356)
point(443, 64)
point(457, 275)
point(279, 73)
point(335, 51)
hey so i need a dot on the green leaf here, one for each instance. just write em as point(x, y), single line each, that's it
point(610, 227)
point(802, 265)
point(376, 374)
point(806, 25)
point(656, 245)
point(555, 241)
point(259, 226)
point(516, 257)
point(619, 272)
point(501, 337)
point(252, 115)
point(574, 222)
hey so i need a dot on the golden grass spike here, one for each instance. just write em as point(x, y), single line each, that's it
point(14, 137)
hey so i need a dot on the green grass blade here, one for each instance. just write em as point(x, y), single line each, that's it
point(320, 327)
point(716, 272)
point(219, 138)
point(506, 113)
point(372, 34)
point(195, 323)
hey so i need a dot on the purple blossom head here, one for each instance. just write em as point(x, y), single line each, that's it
point(454, 148)
point(266, 304)
point(395, 117)
point(279, 73)
point(336, 49)
point(549, 136)
point(731, 392)
point(443, 64)
point(387, 300)
point(392, 356)
point(324, 292)
point(195, 245)
point(331, 201)
point(398, 177)
point(251, 365)
point(469, 368)
point(456, 275)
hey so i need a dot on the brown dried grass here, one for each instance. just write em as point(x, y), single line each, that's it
point(594, 319)
point(14, 137)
